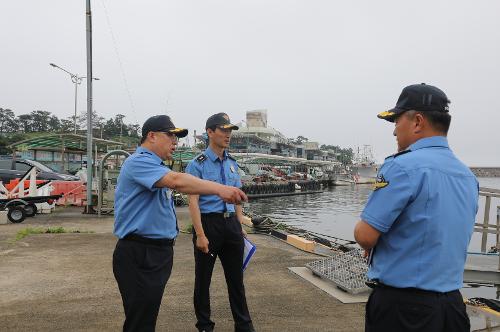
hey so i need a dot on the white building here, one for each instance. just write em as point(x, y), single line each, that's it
point(256, 127)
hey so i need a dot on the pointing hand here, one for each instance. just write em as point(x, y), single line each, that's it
point(232, 195)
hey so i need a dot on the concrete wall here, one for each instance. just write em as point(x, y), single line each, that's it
point(486, 172)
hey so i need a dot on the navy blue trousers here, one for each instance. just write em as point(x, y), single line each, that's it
point(226, 242)
point(141, 271)
point(392, 309)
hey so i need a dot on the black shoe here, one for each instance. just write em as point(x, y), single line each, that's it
point(247, 329)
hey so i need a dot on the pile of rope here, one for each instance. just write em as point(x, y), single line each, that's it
point(265, 225)
point(485, 303)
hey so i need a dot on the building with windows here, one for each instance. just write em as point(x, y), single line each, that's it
point(257, 137)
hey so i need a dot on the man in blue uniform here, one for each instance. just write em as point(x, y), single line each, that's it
point(418, 222)
point(218, 231)
point(145, 220)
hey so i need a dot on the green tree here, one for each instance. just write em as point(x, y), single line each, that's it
point(4, 141)
point(325, 147)
point(119, 122)
point(7, 121)
point(67, 125)
point(54, 123)
point(299, 140)
point(7, 140)
point(345, 156)
point(134, 130)
point(40, 121)
point(26, 123)
point(82, 119)
point(99, 125)
point(110, 129)
point(74, 123)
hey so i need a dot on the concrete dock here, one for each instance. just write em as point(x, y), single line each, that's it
point(64, 282)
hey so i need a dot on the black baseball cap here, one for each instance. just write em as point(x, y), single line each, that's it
point(220, 120)
point(418, 97)
point(162, 123)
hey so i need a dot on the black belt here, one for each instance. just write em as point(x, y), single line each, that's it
point(146, 240)
point(224, 215)
point(377, 284)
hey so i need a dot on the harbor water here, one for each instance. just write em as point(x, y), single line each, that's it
point(335, 211)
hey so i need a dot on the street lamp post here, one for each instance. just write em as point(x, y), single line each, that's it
point(76, 80)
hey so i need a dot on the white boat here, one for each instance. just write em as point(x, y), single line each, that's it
point(364, 169)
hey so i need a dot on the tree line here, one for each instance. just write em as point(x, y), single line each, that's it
point(43, 121)
point(343, 155)
point(13, 128)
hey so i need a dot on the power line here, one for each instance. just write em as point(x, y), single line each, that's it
point(122, 71)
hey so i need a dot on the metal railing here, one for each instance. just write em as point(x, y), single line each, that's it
point(100, 176)
point(486, 228)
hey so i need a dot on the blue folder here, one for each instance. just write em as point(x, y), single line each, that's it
point(248, 253)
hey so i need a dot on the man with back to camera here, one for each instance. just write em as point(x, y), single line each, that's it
point(418, 222)
point(217, 225)
point(145, 220)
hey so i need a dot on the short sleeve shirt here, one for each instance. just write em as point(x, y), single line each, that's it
point(140, 207)
point(424, 204)
point(224, 171)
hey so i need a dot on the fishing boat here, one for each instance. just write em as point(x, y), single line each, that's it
point(364, 169)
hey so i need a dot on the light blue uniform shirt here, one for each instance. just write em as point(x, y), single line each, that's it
point(425, 207)
point(141, 208)
point(208, 166)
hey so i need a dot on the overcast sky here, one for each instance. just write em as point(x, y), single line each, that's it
point(322, 69)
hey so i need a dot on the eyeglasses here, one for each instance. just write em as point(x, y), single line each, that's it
point(172, 136)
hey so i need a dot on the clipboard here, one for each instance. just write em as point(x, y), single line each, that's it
point(248, 251)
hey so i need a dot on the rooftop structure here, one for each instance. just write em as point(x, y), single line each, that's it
point(61, 151)
point(257, 118)
point(257, 137)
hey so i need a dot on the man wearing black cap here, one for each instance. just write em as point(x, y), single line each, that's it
point(417, 223)
point(145, 220)
point(218, 231)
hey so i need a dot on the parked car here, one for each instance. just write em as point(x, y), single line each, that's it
point(13, 170)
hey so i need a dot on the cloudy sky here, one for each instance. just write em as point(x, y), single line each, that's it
point(322, 69)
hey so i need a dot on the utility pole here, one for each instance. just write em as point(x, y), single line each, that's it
point(90, 164)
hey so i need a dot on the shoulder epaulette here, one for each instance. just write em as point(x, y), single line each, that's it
point(201, 158)
point(231, 157)
point(398, 154)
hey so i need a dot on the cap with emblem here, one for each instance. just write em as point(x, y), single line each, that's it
point(418, 97)
point(220, 120)
point(162, 123)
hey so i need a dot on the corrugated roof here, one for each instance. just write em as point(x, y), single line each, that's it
point(184, 155)
point(70, 141)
